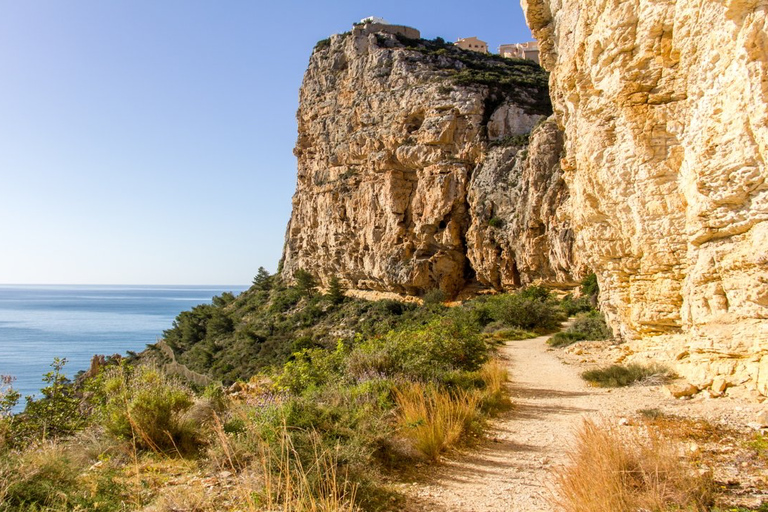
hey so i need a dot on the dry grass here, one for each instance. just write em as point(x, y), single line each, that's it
point(432, 418)
point(276, 478)
point(628, 471)
point(494, 375)
point(495, 396)
point(679, 427)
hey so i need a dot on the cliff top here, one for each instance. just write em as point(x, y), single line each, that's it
point(463, 67)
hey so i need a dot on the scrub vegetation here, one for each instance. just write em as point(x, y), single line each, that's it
point(282, 397)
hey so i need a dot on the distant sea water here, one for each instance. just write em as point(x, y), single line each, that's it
point(38, 323)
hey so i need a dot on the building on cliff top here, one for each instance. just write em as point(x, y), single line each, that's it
point(373, 24)
point(529, 51)
point(472, 43)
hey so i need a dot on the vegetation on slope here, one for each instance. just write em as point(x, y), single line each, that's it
point(332, 395)
point(521, 79)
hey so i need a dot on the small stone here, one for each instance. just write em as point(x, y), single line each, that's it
point(719, 385)
point(762, 418)
point(624, 422)
point(681, 389)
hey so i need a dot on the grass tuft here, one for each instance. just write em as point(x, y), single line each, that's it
point(432, 418)
point(628, 471)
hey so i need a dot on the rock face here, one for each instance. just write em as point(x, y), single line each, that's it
point(520, 220)
point(665, 110)
point(399, 189)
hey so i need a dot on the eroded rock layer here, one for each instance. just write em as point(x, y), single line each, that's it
point(399, 189)
point(665, 109)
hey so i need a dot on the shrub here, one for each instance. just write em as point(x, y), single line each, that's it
point(534, 292)
point(565, 338)
point(495, 222)
point(572, 306)
point(760, 444)
point(589, 286)
point(615, 376)
point(627, 471)
point(322, 45)
point(526, 312)
point(500, 333)
point(420, 352)
point(434, 296)
point(311, 368)
point(55, 414)
point(146, 407)
point(587, 326)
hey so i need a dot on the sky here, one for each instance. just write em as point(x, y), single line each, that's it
point(150, 141)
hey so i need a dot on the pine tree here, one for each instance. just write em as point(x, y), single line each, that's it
point(263, 280)
point(335, 291)
point(305, 282)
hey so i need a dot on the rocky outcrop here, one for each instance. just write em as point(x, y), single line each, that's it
point(665, 110)
point(520, 230)
point(399, 189)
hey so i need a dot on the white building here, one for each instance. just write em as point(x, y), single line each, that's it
point(472, 43)
point(529, 51)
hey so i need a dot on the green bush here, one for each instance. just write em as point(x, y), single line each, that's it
point(322, 45)
point(426, 352)
point(311, 368)
point(495, 222)
point(535, 293)
point(145, 406)
point(499, 332)
point(526, 313)
point(571, 305)
point(55, 414)
point(434, 296)
point(589, 286)
point(615, 376)
point(586, 326)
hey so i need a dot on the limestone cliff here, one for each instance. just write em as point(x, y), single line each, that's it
point(665, 110)
point(415, 172)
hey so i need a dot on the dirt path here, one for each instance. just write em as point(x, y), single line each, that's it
point(512, 471)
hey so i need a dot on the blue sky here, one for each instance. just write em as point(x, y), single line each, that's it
point(150, 141)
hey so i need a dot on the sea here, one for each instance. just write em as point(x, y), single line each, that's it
point(39, 323)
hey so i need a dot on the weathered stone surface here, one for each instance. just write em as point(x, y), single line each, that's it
point(761, 418)
point(394, 181)
point(665, 111)
point(520, 222)
point(719, 385)
point(681, 389)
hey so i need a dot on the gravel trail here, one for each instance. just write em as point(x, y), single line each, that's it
point(512, 470)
